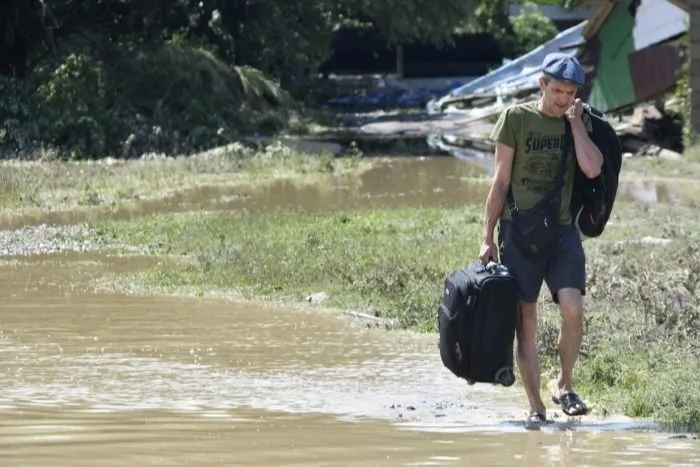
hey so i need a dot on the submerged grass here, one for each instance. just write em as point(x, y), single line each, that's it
point(654, 168)
point(63, 185)
point(46, 185)
point(640, 352)
point(383, 262)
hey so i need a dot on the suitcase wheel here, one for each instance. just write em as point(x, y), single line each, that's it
point(470, 382)
point(505, 376)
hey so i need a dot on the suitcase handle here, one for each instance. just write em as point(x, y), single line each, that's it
point(491, 265)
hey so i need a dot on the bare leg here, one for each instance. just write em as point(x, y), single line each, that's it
point(570, 335)
point(527, 358)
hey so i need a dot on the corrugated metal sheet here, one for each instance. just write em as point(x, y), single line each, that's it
point(521, 72)
point(618, 76)
point(629, 67)
point(657, 21)
point(654, 70)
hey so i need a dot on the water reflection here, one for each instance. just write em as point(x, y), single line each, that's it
point(94, 378)
point(425, 181)
point(71, 437)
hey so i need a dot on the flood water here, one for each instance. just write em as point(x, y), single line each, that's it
point(92, 378)
point(427, 181)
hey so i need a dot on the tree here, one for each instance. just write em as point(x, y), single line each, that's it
point(532, 29)
point(492, 17)
point(518, 35)
point(99, 77)
point(280, 38)
point(427, 21)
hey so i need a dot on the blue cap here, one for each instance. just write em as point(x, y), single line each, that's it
point(564, 67)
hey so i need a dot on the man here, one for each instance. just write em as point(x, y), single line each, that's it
point(528, 152)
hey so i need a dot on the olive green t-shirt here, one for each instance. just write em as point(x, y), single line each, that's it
point(537, 142)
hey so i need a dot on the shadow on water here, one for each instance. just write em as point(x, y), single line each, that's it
point(418, 181)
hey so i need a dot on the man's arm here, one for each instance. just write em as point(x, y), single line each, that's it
point(503, 163)
point(588, 155)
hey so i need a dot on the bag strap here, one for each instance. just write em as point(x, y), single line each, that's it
point(559, 183)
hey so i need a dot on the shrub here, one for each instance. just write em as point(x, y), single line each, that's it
point(123, 101)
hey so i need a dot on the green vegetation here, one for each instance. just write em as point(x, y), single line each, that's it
point(128, 105)
point(384, 262)
point(655, 168)
point(531, 29)
point(640, 349)
point(515, 36)
point(63, 185)
point(123, 78)
point(683, 92)
point(119, 79)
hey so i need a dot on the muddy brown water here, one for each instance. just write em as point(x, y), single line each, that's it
point(410, 181)
point(93, 378)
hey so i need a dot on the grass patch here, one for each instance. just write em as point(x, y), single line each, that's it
point(641, 349)
point(384, 262)
point(693, 154)
point(650, 167)
point(63, 185)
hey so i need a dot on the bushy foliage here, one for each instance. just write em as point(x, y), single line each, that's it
point(518, 35)
point(172, 98)
point(683, 92)
point(531, 28)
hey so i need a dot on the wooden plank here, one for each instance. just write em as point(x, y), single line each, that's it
point(471, 98)
point(682, 4)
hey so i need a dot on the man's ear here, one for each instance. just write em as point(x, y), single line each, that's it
point(542, 82)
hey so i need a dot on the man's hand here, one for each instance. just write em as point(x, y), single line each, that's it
point(576, 110)
point(496, 198)
point(488, 251)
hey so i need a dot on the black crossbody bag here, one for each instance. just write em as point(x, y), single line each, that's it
point(535, 229)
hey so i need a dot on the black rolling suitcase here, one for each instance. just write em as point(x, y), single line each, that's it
point(477, 323)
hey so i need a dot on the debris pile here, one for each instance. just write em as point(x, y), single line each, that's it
point(460, 120)
point(651, 131)
point(647, 130)
point(621, 85)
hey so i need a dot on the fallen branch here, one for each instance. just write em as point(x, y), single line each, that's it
point(375, 319)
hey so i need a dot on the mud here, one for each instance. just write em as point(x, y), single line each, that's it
point(45, 239)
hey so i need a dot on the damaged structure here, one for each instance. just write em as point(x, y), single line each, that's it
point(629, 51)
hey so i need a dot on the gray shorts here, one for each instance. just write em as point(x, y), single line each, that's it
point(563, 267)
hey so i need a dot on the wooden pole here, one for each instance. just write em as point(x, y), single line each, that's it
point(695, 66)
point(399, 61)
